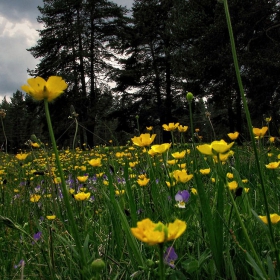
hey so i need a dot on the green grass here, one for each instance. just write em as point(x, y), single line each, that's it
point(104, 221)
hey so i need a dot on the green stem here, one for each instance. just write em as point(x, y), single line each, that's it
point(161, 263)
point(65, 192)
point(248, 117)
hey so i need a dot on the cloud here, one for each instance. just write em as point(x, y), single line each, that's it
point(15, 38)
point(18, 25)
point(19, 10)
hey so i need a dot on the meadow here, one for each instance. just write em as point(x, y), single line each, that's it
point(213, 188)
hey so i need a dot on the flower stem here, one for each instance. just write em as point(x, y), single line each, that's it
point(161, 263)
point(65, 193)
point(249, 122)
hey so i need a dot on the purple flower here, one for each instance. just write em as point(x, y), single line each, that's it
point(20, 264)
point(170, 257)
point(182, 197)
point(37, 236)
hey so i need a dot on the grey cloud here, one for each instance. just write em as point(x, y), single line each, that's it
point(18, 10)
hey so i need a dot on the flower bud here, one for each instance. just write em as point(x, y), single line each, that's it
point(98, 265)
point(189, 96)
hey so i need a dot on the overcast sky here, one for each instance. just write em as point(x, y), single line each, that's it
point(18, 25)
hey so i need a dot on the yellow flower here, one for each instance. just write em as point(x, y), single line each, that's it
point(149, 128)
point(153, 233)
point(272, 165)
point(160, 149)
point(35, 197)
point(179, 155)
point(233, 185)
point(230, 175)
point(35, 145)
point(21, 156)
point(271, 139)
point(82, 179)
point(169, 185)
point(246, 190)
point(275, 218)
point(221, 146)
point(268, 119)
point(95, 162)
point(51, 217)
point(40, 89)
point(118, 193)
point(233, 136)
point(205, 171)
point(57, 180)
point(132, 164)
point(245, 181)
point(269, 154)
point(182, 128)
point(172, 161)
point(170, 126)
point(182, 176)
point(143, 181)
point(143, 140)
point(194, 191)
point(205, 149)
point(81, 196)
point(260, 132)
point(182, 165)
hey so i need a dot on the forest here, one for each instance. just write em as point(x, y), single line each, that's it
point(129, 69)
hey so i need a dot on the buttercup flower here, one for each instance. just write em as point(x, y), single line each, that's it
point(182, 176)
point(205, 171)
point(233, 136)
point(35, 197)
point(143, 140)
point(271, 139)
point(179, 155)
point(21, 156)
point(149, 128)
point(119, 192)
point(230, 175)
point(260, 132)
point(35, 145)
point(205, 149)
point(170, 126)
point(51, 217)
point(268, 119)
point(232, 185)
point(182, 128)
point(272, 165)
point(275, 218)
point(160, 149)
point(156, 233)
point(143, 180)
point(40, 89)
point(82, 179)
point(95, 162)
point(81, 196)
point(221, 146)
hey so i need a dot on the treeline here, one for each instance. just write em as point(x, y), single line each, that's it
point(121, 64)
